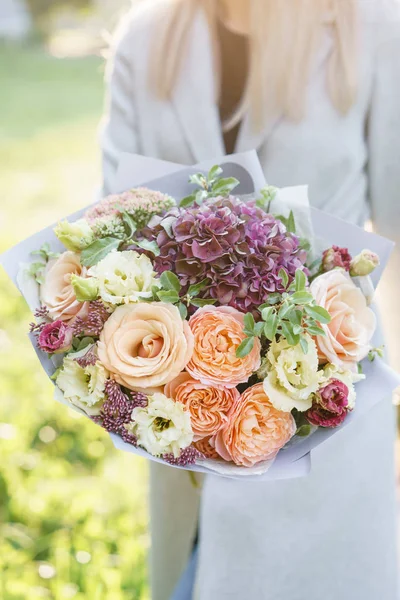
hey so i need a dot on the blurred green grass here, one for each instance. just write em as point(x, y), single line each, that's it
point(73, 514)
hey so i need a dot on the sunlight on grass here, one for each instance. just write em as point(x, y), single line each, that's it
point(73, 511)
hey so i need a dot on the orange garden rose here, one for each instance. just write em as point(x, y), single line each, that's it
point(348, 336)
point(209, 406)
point(57, 292)
point(256, 430)
point(145, 345)
point(218, 331)
point(206, 447)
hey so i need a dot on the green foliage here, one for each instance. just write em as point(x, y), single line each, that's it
point(292, 315)
point(98, 250)
point(73, 510)
point(268, 194)
point(210, 185)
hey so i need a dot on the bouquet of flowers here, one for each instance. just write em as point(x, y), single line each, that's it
point(204, 329)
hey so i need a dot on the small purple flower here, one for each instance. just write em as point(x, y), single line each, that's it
point(55, 337)
point(188, 456)
point(117, 410)
point(331, 405)
point(336, 257)
point(92, 324)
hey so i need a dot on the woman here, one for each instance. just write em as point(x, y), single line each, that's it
point(314, 86)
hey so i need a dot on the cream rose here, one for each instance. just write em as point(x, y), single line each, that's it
point(57, 291)
point(348, 335)
point(145, 345)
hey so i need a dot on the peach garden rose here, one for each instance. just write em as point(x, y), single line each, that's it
point(218, 331)
point(57, 292)
point(145, 345)
point(209, 406)
point(256, 430)
point(349, 334)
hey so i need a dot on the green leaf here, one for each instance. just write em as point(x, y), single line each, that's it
point(36, 270)
point(297, 329)
point(258, 329)
point(304, 430)
point(249, 322)
point(198, 179)
point(183, 310)
point(305, 244)
point(130, 224)
point(304, 344)
point(45, 252)
point(98, 250)
point(274, 298)
point(150, 246)
point(170, 281)
point(84, 342)
point(195, 289)
point(56, 374)
point(168, 296)
point(315, 330)
point(296, 317)
point(300, 280)
point(285, 310)
point(271, 325)
point(200, 302)
point(213, 173)
point(302, 298)
point(200, 196)
point(290, 223)
point(225, 186)
point(291, 337)
point(265, 312)
point(187, 201)
point(284, 277)
point(245, 347)
point(319, 314)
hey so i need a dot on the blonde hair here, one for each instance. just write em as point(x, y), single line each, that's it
point(283, 40)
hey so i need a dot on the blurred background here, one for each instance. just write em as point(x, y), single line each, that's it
point(73, 511)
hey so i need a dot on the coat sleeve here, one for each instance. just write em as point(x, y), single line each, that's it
point(384, 171)
point(119, 127)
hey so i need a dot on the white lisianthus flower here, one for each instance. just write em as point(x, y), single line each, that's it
point(75, 236)
point(349, 378)
point(124, 277)
point(293, 375)
point(83, 386)
point(163, 426)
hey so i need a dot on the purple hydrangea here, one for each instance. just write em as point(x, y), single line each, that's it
point(233, 243)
